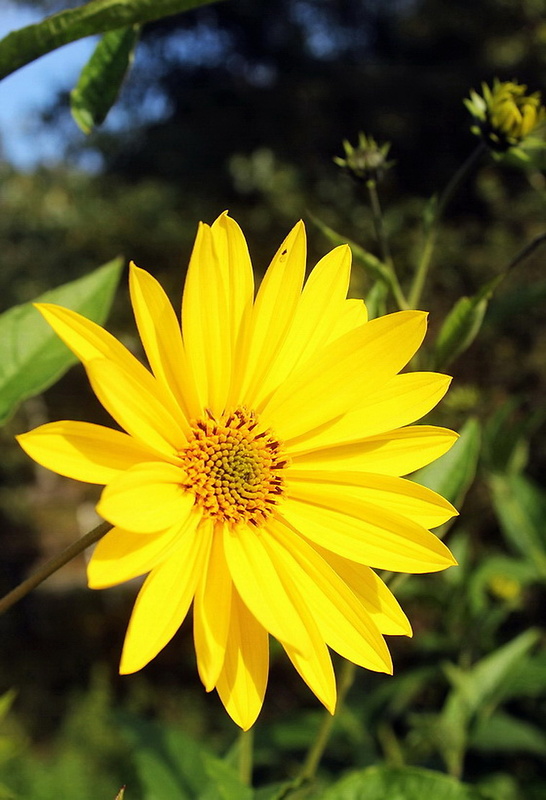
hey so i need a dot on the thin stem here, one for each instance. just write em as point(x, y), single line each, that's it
point(52, 566)
point(432, 232)
point(318, 747)
point(383, 242)
point(245, 756)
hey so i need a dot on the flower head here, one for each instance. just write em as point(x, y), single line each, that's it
point(505, 115)
point(366, 161)
point(258, 471)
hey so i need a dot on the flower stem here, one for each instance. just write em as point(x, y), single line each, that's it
point(318, 747)
point(432, 231)
point(246, 742)
point(52, 566)
point(383, 242)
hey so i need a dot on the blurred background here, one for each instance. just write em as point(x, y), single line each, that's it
point(243, 105)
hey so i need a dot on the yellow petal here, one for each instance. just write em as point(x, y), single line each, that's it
point(139, 411)
point(261, 587)
point(393, 453)
point(211, 615)
point(272, 314)
point(365, 533)
point(147, 498)
point(401, 401)
point(207, 337)
point(343, 622)
point(88, 341)
point(353, 314)
point(123, 555)
point(162, 340)
point(423, 506)
point(243, 679)
point(343, 372)
point(165, 598)
point(236, 268)
point(84, 451)
point(376, 598)
point(318, 309)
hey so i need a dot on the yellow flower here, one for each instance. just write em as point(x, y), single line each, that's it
point(258, 471)
point(505, 115)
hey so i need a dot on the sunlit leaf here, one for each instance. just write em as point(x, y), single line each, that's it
point(101, 78)
point(33, 356)
point(98, 16)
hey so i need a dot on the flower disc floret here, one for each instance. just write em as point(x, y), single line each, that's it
point(233, 468)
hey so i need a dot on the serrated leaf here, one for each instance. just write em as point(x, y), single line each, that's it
point(22, 46)
point(462, 325)
point(33, 356)
point(100, 81)
point(520, 506)
point(453, 473)
point(399, 783)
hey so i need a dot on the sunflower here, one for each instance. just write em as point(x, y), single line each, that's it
point(258, 471)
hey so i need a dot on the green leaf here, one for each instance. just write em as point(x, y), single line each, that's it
point(483, 686)
point(400, 783)
point(172, 766)
point(101, 78)
point(502, 733)
point(33, 356)
point(462, 325)
point(98, 16)
point(453, 473)
point(371, 263)
point(520, 506)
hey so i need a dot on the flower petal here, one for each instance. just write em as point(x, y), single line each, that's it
point(335, 379)
point(393, 453)
point(423, 506)
point(343, 622)
point(207, 337)
point(123, 555)
point(211, 615)
point(147, 498)
point(261, 587)
point(243, 680)
point(317, 311)
point(365, 533)
point(376, 598)
point(84, 451)
point(139, 411)
point(402, 400)
point(272, 314)
point(353, 314)
point(165, 598)
point(162, 340)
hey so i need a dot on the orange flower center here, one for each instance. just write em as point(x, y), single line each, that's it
point(234, 468)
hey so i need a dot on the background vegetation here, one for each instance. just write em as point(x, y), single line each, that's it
point(243, 105)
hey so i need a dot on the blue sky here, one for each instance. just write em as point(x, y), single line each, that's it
point(24, 93)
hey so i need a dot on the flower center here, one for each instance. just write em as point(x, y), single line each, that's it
point(234, 468)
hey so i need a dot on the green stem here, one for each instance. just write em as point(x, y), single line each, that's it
point(52, 566)
point(246, 746)
point(432, 232)
point(318, 747)
point(383, 242)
